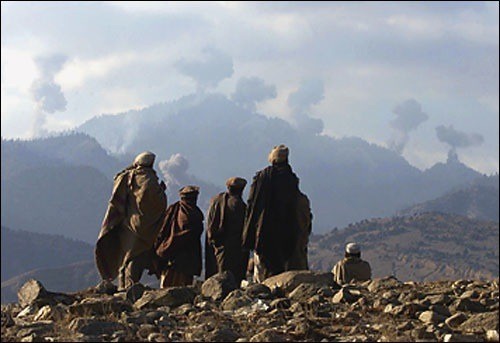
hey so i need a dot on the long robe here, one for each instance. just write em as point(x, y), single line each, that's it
point(298, 260)
point(178, 244)
point(271, 227)
point(226, 217)
point(133, 218)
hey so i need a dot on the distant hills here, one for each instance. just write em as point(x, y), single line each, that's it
point(345, 178)
point(421, 247)
point(478, 200)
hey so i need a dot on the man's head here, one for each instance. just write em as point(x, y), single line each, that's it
point(352, 250)
point(145, 159)
point(278, 154)
point(189, 193)
point(235, 185)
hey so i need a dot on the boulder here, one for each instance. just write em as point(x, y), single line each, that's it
point(303, 292)
point(290, 280)
point(218, 286)
point(456, 319)
point(479, 323)
point(455, 337)
point(235, 300)
point(383, 283)
point(134, 292)
point(431, 317)
point(258, 290)
point(171, 296)
point(492, 336)
point(99, 306)
point(30, 292)
point(88, 326)
point(269, 335)
point(344, 296)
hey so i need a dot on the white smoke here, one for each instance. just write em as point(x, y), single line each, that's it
point(209, 71)
point(174, 171)
point(310, 93)
point(409, 116)
point(46, 93)
point(251, 90)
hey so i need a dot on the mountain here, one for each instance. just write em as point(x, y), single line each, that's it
point(422, 247)
point(345, 178)
point(480, 200)
point(60, 199)
point(23, 251)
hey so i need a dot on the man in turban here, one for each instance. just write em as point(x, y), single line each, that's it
point(178, 244)
point(352, 267)
point(134, 216)
point(226, 216)
point(271, 226)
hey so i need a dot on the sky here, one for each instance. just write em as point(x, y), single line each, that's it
point(417, 77)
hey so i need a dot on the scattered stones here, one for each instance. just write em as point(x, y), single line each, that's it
point(288, 281)
point(309, 311)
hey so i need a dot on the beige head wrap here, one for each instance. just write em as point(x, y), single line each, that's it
point(278, 154)
point(145, 159)
point(236, 182)
point(187, 191)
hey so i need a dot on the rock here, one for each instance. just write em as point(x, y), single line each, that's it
point(30, 292)
point(344, 296)
point(492, 336)
point(268, 335)
point(441, 309)
point(219, 285)
point(146, 329)
point(468, 305)
point(99, 306)
point(431, 317)
point(157, 337)
point(303, 292)
point(454, 337)
point(235, 300)
point(171, 296)
point(383, 283)
point(27, 311)
point(106, 287)
point(456, 319)
point(288, 281)
point(7, 320)
point(479, 323)
point(50, 312)
point(258, 290)
point(222, 335)
point(95, 327)
point(280, 303)
point(134, 292)
point(471, 294)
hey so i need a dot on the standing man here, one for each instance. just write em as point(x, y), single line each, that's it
point(135, 213)
point(226, 217)
point(352, 267)
point(178, 244)
point(271, 227)
point(298, 260)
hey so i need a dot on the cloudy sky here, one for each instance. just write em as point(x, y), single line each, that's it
point(418, 77)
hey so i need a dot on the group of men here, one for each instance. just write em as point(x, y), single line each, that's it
point(139, 232)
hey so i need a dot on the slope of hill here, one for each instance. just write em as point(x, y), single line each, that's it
point(423, 247)
point(64, 200)
point(23, 251)
point(344, 178)
point(478, 201)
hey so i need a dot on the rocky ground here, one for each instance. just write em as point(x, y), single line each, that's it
point(293, 306)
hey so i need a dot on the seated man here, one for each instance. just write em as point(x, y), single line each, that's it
point(352, 267)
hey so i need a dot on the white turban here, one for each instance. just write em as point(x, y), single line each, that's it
point(145, 159)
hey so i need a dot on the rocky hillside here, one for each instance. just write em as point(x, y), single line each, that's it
point(480, 200)
point(293, 306)
point(422, 247)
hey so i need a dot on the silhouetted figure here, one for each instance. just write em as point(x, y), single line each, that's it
point(134, 216)
point(271, 227)
point(226, 217)
point(178, 244)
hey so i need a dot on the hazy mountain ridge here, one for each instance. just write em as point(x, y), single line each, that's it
point(480, 200)
point(23, 251)
point(422, 247)
point(344, 178)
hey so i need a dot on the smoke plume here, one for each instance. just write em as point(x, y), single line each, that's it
point(174, 171)
point(208, 72)
point(457, 139)
point(409, 116)
point(47, 94)
point(310, 93)
point(250, 91)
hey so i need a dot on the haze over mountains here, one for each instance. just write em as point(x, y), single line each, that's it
point(219, 137)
